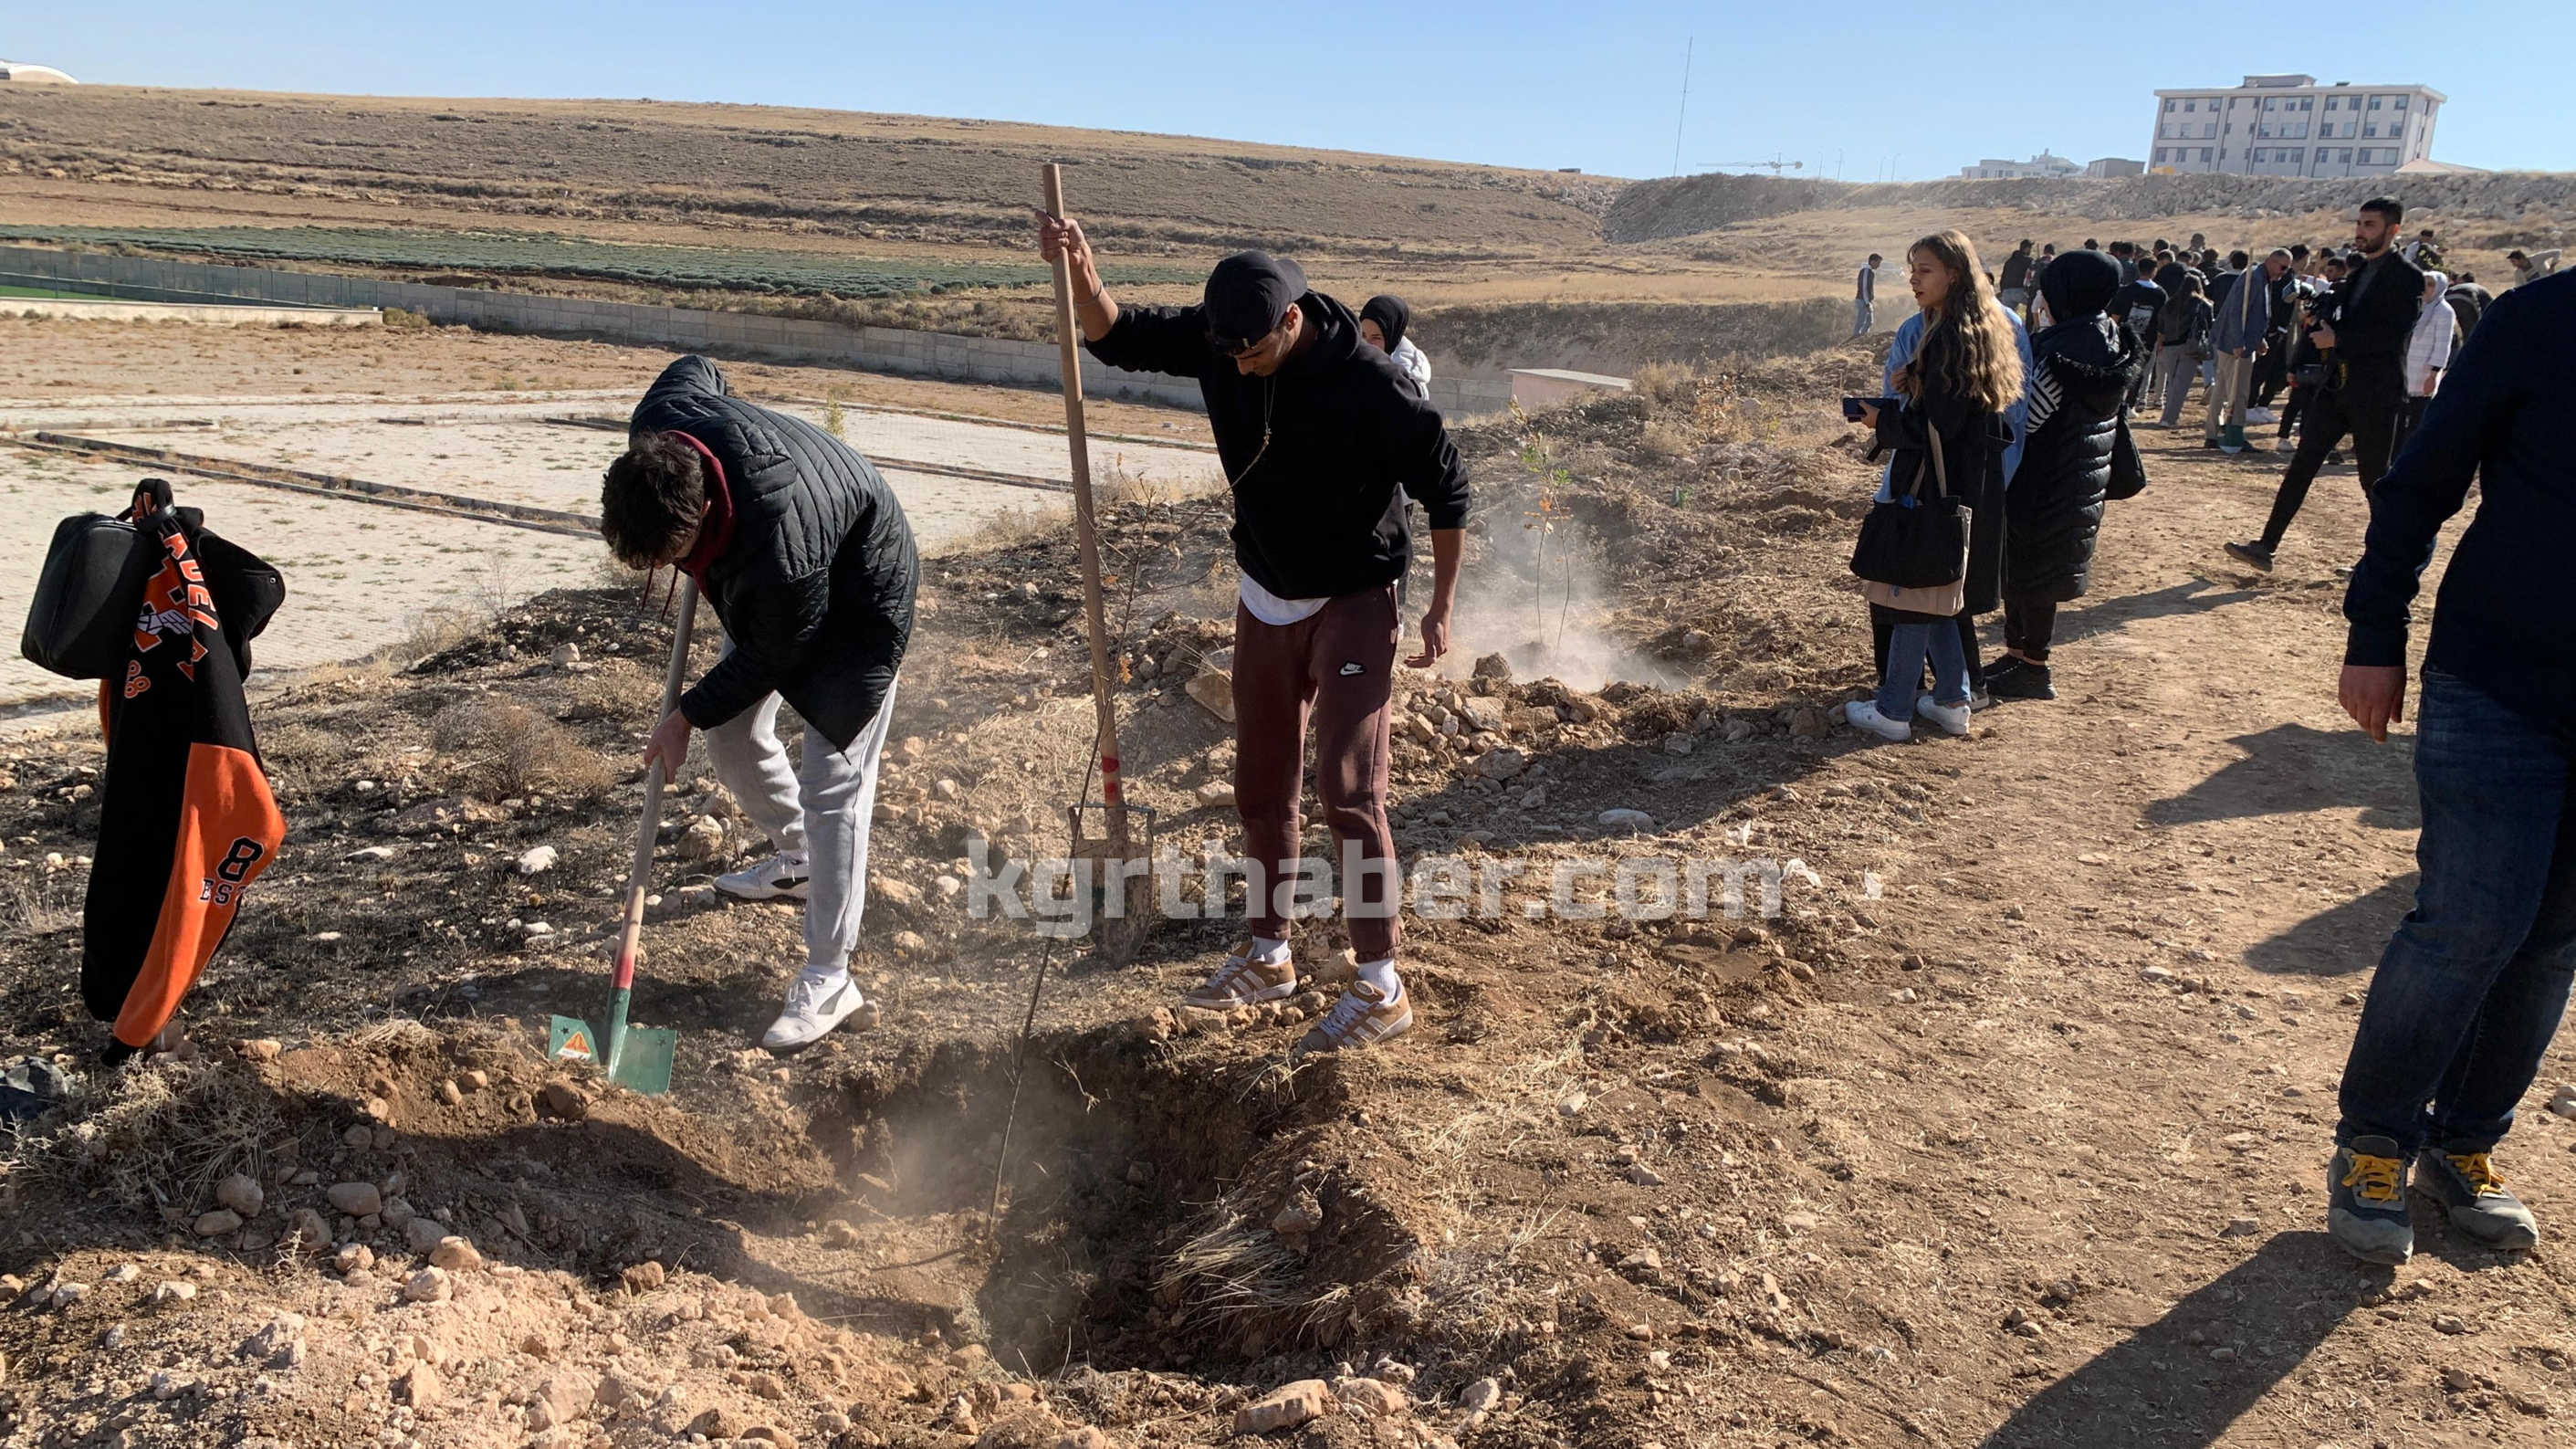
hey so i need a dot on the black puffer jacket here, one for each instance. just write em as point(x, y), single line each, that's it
point(2081, 372)
point(815, 585)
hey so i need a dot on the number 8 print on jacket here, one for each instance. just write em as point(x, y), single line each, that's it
point(186, 819)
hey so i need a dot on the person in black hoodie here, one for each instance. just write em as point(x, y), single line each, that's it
point(1323, 441)
point(809, 564)
point(2082, 368)
point(2364, 327)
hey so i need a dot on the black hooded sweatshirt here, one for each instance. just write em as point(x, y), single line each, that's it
point(1321, 455)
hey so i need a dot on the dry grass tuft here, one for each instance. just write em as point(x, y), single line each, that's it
point(506, 749)
point(1239, 1280)
point(162, 1134)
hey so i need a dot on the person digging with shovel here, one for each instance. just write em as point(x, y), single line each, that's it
point(1323, 440)
point(809, 563)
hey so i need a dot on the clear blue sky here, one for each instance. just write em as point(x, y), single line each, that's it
point(1511, 82)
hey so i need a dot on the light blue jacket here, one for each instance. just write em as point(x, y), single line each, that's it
point(1909, 336)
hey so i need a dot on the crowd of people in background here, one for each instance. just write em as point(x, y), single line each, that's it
point(2009, 396)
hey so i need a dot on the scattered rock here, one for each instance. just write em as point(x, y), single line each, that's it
point(703, 840)
point(2241, 1225)
point(353, 1258)
point(1492, 667)
point(1286, 1408)
point(357, 1199)
point(2450, 1323)
point(1679, 743)
point(280, 1344)
point(418, 1385)
point(429, 1285)
point(1216, 793)
point(1807, 724)
point(565, 653)
point(371, 855)
point(563, 1101)
point(1085, 1437)
point(1371, 1396)
point(643, 1278)
point(1625, 819)
point(1480, 1396)
point(538, 860)
point(169, 1294)
point(770, 1433)
point(1501, 763)
point(456, 1255)
point(718, 1423)
point(1214, 691)
point(422, 1234)
point(217, 1223)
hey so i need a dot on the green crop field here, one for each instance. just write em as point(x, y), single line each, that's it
point(548, 254)
point(52, 296)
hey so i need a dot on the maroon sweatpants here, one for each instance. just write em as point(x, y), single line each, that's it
point(1336, 667)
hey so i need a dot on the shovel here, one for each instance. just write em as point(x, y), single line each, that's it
point(639, 1057)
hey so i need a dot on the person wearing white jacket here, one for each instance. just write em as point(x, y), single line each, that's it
point(2428, 351)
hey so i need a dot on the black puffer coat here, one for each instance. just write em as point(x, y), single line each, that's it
point(2080, 374)
point(815, 585)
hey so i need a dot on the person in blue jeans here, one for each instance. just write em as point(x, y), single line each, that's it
point(2472, 985)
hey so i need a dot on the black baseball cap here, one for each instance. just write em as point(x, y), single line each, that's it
point(1248, 295)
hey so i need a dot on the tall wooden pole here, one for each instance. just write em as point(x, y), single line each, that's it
point(1086, 535)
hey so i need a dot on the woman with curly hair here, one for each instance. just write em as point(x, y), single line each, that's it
point(1957, 388)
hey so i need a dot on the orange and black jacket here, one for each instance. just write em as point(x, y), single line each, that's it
point(186, 819)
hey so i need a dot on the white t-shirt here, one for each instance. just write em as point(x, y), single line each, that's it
point(1269, 608)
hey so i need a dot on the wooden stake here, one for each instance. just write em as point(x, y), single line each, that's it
point(1068, 331)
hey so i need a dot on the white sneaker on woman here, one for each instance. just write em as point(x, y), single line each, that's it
point(1952, 718)
point(1863, 714)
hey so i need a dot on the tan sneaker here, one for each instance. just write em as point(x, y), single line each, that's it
point(1243, 981)
point(1363, 1017)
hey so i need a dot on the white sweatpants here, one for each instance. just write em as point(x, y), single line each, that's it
point(821, 810)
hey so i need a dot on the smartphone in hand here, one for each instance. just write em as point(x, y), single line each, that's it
point(1852, 406)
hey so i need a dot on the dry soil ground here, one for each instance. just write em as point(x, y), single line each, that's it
point(2007, 1131)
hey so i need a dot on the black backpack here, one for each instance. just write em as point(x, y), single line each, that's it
point(81, 618)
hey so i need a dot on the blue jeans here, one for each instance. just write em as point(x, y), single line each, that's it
point(2472, 985)
point(1912, 638)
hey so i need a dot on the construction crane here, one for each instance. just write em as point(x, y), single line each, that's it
point(1775, 165)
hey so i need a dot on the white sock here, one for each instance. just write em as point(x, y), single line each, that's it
point(1381, 974)
point(1267, 952)
point(830, 978)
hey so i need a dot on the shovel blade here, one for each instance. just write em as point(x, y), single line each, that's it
point(643, 1063)
point(572, 1041)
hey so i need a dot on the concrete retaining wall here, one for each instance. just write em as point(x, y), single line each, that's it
point(877, 349)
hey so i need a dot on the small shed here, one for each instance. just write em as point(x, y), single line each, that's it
point(1546, 387)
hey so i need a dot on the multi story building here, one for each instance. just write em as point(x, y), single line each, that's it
point(1996, 169)
point(2288, 125)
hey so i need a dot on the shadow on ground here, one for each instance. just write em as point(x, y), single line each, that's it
point(2184, 1380)
point(2341, 940)
point(2292, 768)
point(2105, 616)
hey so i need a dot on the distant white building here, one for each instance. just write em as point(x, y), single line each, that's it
point(2109, 166)
point(2288, 125)
point(26, 74)
point(1996, 169)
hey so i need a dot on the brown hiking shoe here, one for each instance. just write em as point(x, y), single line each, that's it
point(1243, 981)
point(1363, 1017)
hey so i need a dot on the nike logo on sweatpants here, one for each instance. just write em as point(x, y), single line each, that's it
point(1352, 668)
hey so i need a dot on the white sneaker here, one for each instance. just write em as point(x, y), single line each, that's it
point(815, 1005)
point(1245, 980)
point(779, 878)
point(1952, 718)
point(1863, 714)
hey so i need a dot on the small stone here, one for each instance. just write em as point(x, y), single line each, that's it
point(1214, 691)
point(452, 1094)
point(1480, 1396)
point(1572, 1106)
point(2450, 1323)
point(429, 1285)
point(562, 1100)
point(771, 1434)
point(67, 1294)
point(2014, 913)
point(353, 1258)
point(538, 860)
point(307, 1228)
point(280, 1343)
point(1370, 1396)
point(717, 1423)
point(1216, 794)
point(2459, 1380)
point(1285, 1408)
point(418, 1385)
point(456, 1255)
point(704, 839)
point(1679, 742)
point(1625, 819)
point(565, 653)
point(371, 855)
point(643, 1278)
point(1085, 1437)
point(2242, 1225)
point(169, 1294)
point(262, 1049)
point(421, 1233)
point(217, 1223)
point(357, 1199)
point(1501, 763)
point(359, 1136)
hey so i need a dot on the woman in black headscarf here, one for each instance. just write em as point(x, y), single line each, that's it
point(1382, 324)
point(2081, 368)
